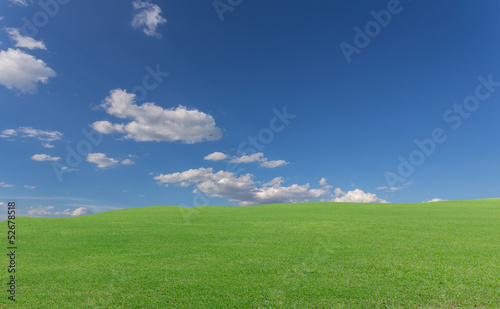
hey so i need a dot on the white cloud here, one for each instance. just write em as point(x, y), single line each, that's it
point(29, 187)
point(8, 133)
point(101, 160)
point(47, 136)
point(356, 196)
point(39, 211)
point(338, 192)
point(394, 189)
point(65, 212)
point(256, 157)
point(154, 123)
point(273, 164)
point(41, 135)
point(242, 189)
point(6, 185)
point(434, 200)
point(390, 189)
point(68, 170)
point(147, 16)
point(44, 157)
point(20, 2)
point(2, 204)
point(323, 183)
point(127, 162)
point(22, 71)
point(275, 181)
point(47, 145)
point(216, 156)
point(24, 41)
point(82, 211)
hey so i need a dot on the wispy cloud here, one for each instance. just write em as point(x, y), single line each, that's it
point(147, 17)
point(256, 157)
point(394, 189)
point(45, 136)
point(6, 185)
point(21, 2)
point(24, 41)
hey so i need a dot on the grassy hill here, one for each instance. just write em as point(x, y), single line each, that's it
point(312, 255)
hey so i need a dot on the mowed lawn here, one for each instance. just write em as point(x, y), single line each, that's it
point(311, 255)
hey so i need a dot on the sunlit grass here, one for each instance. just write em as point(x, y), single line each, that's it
point(316, 255)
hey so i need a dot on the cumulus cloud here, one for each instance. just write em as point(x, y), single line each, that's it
point(6, 185)
point(24, 41)
point(147, 17)
point(127, 162)
point(81, 211)
point(242, 189)
point(434, 200)
point(8, 133)
point(30, 187)
point(256, 157)
point(44, 157)
point(356, 196)
point(22, 71)
point(338, 192)
point(101, 160)
point(154, 123)
point(216, 156)
point(42, 135)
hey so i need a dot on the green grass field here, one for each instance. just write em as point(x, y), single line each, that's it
point(313, 255)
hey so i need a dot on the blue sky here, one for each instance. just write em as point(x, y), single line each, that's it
point(246, 102)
